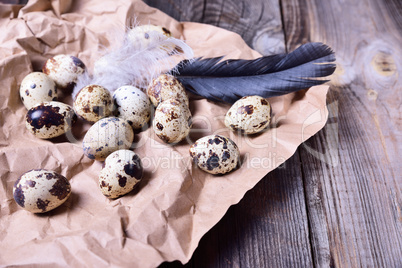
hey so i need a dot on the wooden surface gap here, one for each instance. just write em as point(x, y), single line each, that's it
point(261, 13)
point(285, 37)
point(310, 232)
point(204, 9)
point(236, 260)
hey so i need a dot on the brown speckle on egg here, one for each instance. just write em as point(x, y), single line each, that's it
point(60, 189)
point(31, 183)
point(225, 156)
point(213, 161)
point(50, 66)
point(159, 126)
point(122, 180)
point(50, 119)
point(19, 195)
point(42, 204)
point(164, 138)
point(97, 110)
point(248, 109)
point(134, 170)
point(44, 116)
point(166, 31)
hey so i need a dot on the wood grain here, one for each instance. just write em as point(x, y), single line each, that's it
point(258, 21)
point(268, 228)
point(353, 192)
point(350, 170)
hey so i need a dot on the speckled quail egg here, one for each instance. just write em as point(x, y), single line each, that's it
point(93, 102)
point(37, 88)
point(41, 190)
point(215, 154)
point(50, 119)
point(250, 114)
point(122, 171)
point(106, 136)
point(144, 35)
point(166, 87)
point(64, 70)
point(132, 105)
point(172, 121)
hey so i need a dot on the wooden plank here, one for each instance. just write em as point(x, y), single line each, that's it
point(354, 191)
point(269, 227)
point(257, 21)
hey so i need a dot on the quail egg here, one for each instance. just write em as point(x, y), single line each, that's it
point(144, 35)
point(172, 121)
point(215, 154)
point(122, 171)
point(106, 136)
point(41, 190)
point(132, 105)
point(250, 114)
point(50, 119)
point(64, 70)
point(37, 88)
point(166, 87)
point(92, 103)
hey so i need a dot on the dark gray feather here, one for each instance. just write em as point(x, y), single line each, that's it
point(267, 76)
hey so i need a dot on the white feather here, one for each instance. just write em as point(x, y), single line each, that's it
point(135, 62)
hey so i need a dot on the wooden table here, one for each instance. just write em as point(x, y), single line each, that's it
point(337, 202)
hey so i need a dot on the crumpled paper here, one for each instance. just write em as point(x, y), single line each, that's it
point(176, 203)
